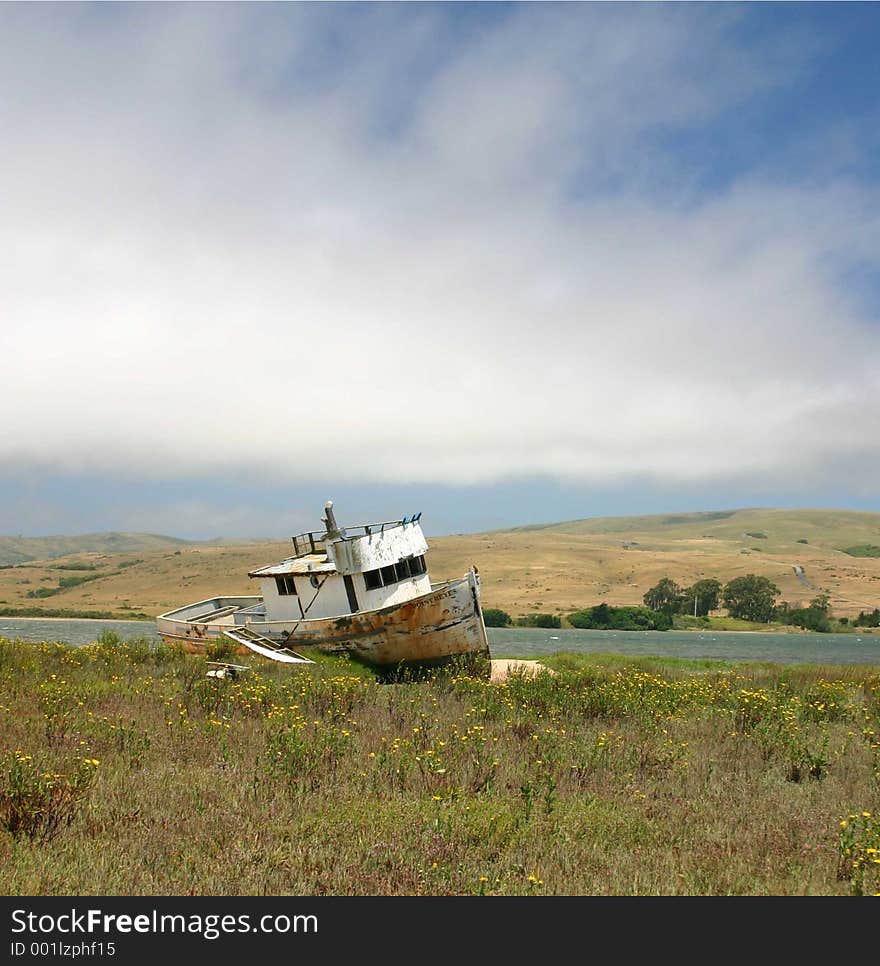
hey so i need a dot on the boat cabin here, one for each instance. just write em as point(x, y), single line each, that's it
point(344, 571)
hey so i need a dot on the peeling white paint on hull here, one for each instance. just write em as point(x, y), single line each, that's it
point(444, 624)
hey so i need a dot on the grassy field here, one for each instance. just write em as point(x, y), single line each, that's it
point(125, 770)
point(557, 568)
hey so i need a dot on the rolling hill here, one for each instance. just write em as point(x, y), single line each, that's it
point(16, 550)
point(553, 568)
point(561, 566)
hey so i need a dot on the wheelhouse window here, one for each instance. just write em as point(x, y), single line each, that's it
point(417, 566)
point(394, 573)
point(285, 585)
point(373, 579)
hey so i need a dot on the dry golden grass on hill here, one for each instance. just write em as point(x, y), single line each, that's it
point(555, 568)
point(555, 573)
point(146, 582)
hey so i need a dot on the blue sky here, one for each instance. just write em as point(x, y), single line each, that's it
point(499, 263)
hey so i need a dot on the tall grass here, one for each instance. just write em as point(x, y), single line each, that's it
point(612, 777)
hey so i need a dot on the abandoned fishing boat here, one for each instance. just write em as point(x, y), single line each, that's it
point(361, 590)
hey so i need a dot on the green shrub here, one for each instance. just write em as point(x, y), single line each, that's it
point(37, 803)
point(108, 639)
point(221, 649)
point(863, 550)
point(869, 618)
point(539, 620)
point(604, 617)
point(493, 617)
point(816, 617)
point(65, 583)
point(859, 853)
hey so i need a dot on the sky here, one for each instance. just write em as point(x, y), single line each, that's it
point(500, 264)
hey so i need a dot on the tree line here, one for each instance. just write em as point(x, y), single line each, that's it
point(751, 598)
point(602, 617)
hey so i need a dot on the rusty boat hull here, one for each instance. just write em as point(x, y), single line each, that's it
point(432, 629)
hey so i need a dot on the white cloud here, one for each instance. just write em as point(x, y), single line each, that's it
point(227, 247)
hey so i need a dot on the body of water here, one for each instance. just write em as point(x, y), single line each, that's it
point(719, 646)
point(533, 642)
point(72, 631)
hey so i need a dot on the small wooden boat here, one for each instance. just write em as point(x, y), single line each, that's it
point(363, 590)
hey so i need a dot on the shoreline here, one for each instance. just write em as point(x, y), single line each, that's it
point(789, 630)
point(91, 620)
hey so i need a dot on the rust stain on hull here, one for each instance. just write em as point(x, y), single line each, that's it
point(443, 624)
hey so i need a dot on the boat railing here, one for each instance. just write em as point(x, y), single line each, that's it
point(315, 541)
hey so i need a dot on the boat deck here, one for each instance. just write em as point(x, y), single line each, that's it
point(217, 610)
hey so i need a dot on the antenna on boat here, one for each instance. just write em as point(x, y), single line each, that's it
point(333, 531)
